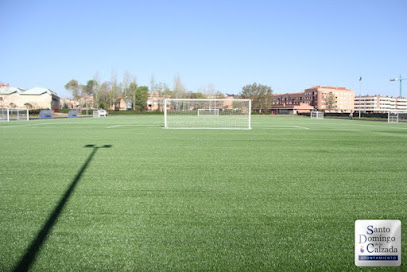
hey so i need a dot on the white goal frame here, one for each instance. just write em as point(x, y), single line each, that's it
point(394, 116)
point(8, 115)
point(224, 114)
point(317, 115)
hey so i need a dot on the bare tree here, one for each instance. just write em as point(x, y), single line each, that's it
point(330, 101)
point(179, 90)
point(129, 87)
point(115, 90)
point(96, 91)
point(104, 95)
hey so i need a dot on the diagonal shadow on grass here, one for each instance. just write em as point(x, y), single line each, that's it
point(32, 251)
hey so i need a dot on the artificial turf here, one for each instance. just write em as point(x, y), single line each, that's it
point(283, 196)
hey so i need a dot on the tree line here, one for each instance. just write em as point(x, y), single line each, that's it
point(106, 93)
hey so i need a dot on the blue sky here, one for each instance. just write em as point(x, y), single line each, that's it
point(288, 45)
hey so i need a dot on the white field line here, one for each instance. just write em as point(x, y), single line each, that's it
point(285, 127)
point(384, 126)
point(17, 126)
point(116, 126)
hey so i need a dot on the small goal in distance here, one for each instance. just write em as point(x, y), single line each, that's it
point(397, 117)
point(207, 113)
point(317, 115)
point(14, 114)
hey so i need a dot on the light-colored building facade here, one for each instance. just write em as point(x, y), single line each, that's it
point(35, 98)
point(378, 103)
point(317, 97)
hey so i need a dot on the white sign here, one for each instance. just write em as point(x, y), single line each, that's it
point(378, 242)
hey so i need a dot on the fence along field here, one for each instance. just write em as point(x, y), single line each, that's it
point(282, 196)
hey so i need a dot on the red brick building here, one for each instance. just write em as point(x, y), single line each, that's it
point(314, 98)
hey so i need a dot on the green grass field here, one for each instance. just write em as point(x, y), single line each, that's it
point(283, 196)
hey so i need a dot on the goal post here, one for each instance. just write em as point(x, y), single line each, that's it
point(317, 115)
point(4, 115)
point(207, 113)
point(392, 117)
point(14, 115)
point(397, 117)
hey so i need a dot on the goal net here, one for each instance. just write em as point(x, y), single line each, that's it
point(317, 114)
point(46, 114)
point(207, 113)
point(73, 113)
point(397, 117)
point(14, 115)
point(4, 115)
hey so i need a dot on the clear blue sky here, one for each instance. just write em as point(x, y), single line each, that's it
point(288, 45)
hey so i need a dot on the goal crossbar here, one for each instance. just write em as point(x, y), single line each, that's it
point(14, 114)
point(396, 116)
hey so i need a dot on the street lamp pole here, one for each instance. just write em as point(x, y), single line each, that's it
point(401, 80)
point(360, 94)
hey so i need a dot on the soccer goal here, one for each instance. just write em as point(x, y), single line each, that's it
point(396, 117)
point(4, 115)
point(317, 114)
point(14, 115)
point(207, 113)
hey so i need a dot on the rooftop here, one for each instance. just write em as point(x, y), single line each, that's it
point(32, 91)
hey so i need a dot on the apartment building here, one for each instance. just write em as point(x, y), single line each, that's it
point(378, 103)
point(314, 98)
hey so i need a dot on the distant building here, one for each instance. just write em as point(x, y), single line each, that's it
point(35, 98)
point(155, 101)
point(376, 103)
point(314, 98)
point(290, 103)
point(343, 98)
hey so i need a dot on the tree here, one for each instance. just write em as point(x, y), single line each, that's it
point(28, 106)
point(129, 88)
point(330, 101)
point(115, 91)
point(132, 91)
point(89, 90)
point(179, 90)
point(261, 96)
point(141, 98)
point(73, 86)
point(197, 95)
point(103, 95)
point(90, 87)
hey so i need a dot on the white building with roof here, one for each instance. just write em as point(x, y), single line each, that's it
point(34, 98)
